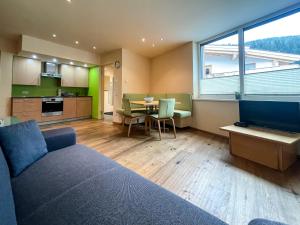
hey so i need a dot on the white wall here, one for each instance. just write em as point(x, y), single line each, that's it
point(173, 71)
point(6, 60)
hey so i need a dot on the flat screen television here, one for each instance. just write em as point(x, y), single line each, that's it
point(271, 114)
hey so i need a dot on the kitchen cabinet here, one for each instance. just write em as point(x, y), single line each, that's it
point(27, 108)
point(83, 107)
point(69, 108)
point(67, 76)
point(74, 76)
point(26, 71)
point(81, 77)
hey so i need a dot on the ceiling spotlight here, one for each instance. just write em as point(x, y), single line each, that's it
point(34, 56)
point(69, 1)
point(94, 47)
point(153, 45)
point(54, 35)
point(143, 39)
point(85, 65)
point(71, 63)
point(161, 39)
point(76, 42)
point(54, 60)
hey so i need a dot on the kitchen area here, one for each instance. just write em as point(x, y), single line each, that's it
point(50, 90)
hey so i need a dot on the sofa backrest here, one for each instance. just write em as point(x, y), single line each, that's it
point(7, 206)
point(134, 97)
point(185, 100)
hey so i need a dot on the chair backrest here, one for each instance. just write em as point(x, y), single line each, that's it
point(126, 106)
point(166, 108)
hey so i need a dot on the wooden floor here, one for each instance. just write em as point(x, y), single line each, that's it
point(198, 167)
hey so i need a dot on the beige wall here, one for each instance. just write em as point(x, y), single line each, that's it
point(177, 71)
point(135, 73)
point(211, 115)
point(39, 46)
point(6, 60)
point(173, 71)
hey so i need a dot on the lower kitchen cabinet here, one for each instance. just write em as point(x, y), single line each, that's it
point(27, 109)
point(69, 108)
point(83, 107)
point(31, 109)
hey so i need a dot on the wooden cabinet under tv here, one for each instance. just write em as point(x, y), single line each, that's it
point(272, 148)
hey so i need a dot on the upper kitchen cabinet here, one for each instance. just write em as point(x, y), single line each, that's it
point(81, 77)
point(67, 76)
point(73, 76)
point(26, 71)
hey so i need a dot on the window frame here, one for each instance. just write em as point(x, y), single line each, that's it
point(240, 32)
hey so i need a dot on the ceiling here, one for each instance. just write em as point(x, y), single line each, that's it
point(113, 24)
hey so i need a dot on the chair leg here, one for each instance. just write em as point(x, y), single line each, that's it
point(123, 121)
point(174, 128)
point(150, 124)
point(129, 128)
point(164, 126)
point(159, 130)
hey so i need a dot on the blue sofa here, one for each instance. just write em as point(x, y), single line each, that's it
point(74, 185)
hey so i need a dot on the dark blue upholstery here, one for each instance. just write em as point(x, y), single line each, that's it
point(76, 185)
point(22, 145)
point(59, 138)
point(7, 207)
point(264, 222)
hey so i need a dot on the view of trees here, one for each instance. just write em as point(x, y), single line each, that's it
point(288, 44)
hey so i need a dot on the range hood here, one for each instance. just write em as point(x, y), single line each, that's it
point(50, 70)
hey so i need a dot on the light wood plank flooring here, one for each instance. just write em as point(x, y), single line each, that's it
point(197, 166)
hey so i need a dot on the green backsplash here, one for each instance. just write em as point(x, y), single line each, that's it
point(48, 87)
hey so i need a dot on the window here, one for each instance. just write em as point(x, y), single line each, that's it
point(276, 53)
point(256, 59)
point(220, 73)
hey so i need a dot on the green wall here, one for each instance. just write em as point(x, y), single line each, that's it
point(48, 87)
point(95, 91)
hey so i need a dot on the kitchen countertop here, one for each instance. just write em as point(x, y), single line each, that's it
point(52, 97)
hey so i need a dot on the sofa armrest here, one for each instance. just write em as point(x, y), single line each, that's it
point(264, 222)
point(59, 138)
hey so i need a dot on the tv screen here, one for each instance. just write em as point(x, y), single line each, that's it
point(276, 115)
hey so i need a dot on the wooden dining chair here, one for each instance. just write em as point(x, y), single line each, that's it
point(128, 114)
point(165, 113)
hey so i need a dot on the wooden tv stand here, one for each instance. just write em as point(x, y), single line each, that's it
point(275, 149)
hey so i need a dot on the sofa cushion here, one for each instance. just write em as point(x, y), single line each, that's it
point(79, 186)
point(182, 113)
point(158, 96)
point(22, 145)
point(184, 99)
point(7, 206)
point(264, 222)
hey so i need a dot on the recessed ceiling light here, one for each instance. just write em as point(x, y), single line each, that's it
point(85, 65)
point(71, 63)
point(54, 35)
point(34, 56)
point(76, 42)
point(69, 1)
point(94, 47)
point(143, 39)
point(54, 60)
point(161, 39)
point(153, 45)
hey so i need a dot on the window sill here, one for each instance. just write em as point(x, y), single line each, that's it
point(215, 100)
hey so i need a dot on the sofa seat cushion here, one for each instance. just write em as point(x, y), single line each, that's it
point(182, 113)
point(79, 186)
point(22, 145)
point(7, 206)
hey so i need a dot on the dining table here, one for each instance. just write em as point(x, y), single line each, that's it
point(151, 108)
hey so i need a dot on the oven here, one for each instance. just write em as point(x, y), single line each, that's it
point(52, 106)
